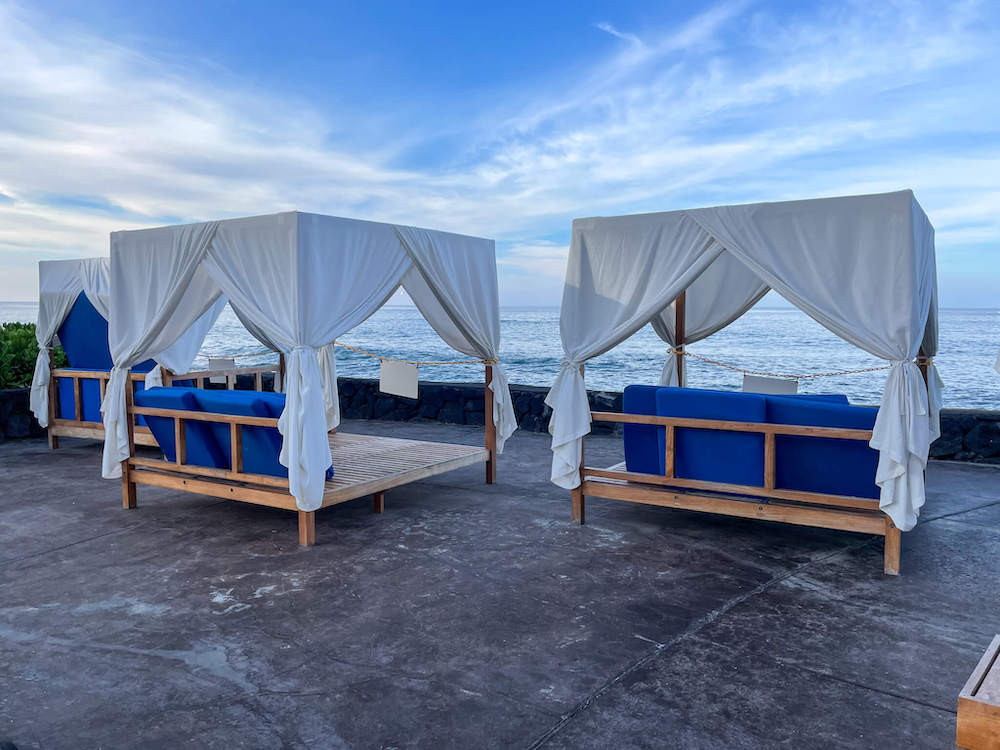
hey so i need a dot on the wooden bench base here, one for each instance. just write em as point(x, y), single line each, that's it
point(857, 514)
point(363, 464)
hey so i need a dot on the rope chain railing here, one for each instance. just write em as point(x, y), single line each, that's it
point(762, 373)
point(380, 357)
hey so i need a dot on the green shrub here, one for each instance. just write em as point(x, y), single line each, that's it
point(18, 350)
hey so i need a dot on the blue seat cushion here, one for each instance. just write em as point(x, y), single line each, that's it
point(84, 336)
point(202, 448)
point(261, 445)
point(642, 453)
point(829, 465)
point(714, 455)
point(90, 397)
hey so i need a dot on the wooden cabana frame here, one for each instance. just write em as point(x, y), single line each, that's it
point(767, 503)
point(78, 427)
point(363, 464)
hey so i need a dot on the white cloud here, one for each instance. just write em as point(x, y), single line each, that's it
point(736, 104)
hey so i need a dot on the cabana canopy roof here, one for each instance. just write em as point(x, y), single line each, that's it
point(298, 281)
point(862, 266)
point(60, 283)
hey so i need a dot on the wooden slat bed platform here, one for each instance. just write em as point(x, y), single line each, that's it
point(369, 464)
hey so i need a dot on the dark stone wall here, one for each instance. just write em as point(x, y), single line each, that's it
point(966, 434)
point(16, 419)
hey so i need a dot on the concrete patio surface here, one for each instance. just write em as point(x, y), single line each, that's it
point(475, 616)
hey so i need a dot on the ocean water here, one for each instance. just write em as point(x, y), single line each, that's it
point(766, 339)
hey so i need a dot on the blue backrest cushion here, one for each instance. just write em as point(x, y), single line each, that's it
point(642, 452)
point(828, 465)
point(84, 336)
point(202, 448)
point(261, 445)
point(90, 397)
point(714, 455)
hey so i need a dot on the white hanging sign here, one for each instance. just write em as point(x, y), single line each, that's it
point(397, 378)
point(220, 363)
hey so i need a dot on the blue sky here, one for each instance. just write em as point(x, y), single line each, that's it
point(505, 120)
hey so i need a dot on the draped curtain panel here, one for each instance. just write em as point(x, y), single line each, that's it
point(721, 294)
point(159, 290)
point(861, 266)
point(454, 285)
point(59, 284)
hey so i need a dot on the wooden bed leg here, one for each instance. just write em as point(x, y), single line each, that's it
point(378, 502)
point(53, 439)
point(578, 507)
point(491, 429)
point(128, 488)
point(892, 544)
point(307, 528)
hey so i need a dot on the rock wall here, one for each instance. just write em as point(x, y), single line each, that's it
point(16, 419)
point(966, 434)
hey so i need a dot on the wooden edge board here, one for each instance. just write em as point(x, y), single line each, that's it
point(860, 521)
point(819, 498)
point(733, 426)
point(333, 496)
point(982, 669)
point(214, 488)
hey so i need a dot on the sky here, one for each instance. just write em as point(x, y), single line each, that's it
point(504, 120)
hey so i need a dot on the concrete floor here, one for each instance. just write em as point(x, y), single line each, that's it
point(472, 616)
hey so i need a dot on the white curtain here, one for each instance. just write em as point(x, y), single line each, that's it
point(95, 277)
point(861, 266)
point(180, 355)
point(59, 284)
point(304, 280)
point(620, 274)
point(721, 294)
point(454, 285)
point(159, 291)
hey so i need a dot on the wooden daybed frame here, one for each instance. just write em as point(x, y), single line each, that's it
point(78, 427)
point(363, 464)
point(768, 503)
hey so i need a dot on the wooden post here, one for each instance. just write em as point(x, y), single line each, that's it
point(168, 377)
point(680, 315)
point(922, 365)
point(281, 374)
point(307, 528)
point(128, 486)
point(53, 401)
point(892, 545)
point(577, 512)
point(378, 502)
point(491, 430)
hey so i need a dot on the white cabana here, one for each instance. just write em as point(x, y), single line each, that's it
point(298, 281)
point(60, 282)
point(861, 266)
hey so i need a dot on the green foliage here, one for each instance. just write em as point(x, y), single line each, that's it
point(18, 350)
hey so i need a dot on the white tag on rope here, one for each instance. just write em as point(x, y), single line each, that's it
point(220, 363)
point(397, 378)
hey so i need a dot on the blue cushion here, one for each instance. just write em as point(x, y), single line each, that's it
point(261, 445)
point(84, 336)
point(829, 465)
point(202, 448)
point(642, 452)
point(714, 455)
point(90, 396)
